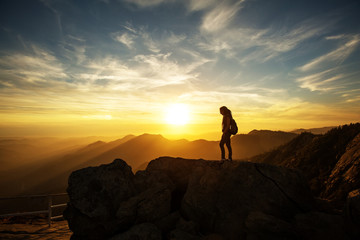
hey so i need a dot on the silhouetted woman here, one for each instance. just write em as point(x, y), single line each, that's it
point(225, 138)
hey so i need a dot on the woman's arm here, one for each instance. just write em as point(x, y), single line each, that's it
point(227, 124)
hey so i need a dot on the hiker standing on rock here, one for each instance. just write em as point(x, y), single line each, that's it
point(226, 133)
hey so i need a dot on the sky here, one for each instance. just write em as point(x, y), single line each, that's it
point(116, 67)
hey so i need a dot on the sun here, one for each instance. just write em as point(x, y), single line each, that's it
point(177, 114)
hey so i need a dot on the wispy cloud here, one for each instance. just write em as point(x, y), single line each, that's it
point(164, 71)
point(124, 38)
point(32, 69)
point(327, 73)
point(352, 99)
point(143, 73)
point(175, 39)
point(147, 3)
point(220, 16)
point(197, 5)
point(140, 37)
point(73, 48)
point(323, 81)
point(219, 34)
point(336, 56)
point(260, 45)
point(351, 95)
point(149, 42)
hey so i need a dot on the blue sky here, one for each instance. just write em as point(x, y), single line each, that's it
point(276, 64)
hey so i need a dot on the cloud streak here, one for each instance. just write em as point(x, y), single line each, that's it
point(124, 38)
point(147, 3)
point(220, 16)
point(260, 45)
point(31, 70)
point(325, 73)
point(323, 81)
point(336, 56)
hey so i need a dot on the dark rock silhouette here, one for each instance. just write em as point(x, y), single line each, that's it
point(330, 162)
point(177, 198)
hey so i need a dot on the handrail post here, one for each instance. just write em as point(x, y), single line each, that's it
point(49, 209)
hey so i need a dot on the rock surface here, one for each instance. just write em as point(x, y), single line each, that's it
point(319, 225)
point(352, 213)
point(344, 178)
point(329, 162)
point(221, 199)
point(144, 231)
point(177, 198)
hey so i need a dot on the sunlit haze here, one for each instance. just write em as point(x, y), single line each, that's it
point(118, 67)
point(177, 114)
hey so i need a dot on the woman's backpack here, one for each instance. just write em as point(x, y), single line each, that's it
point(233, 127)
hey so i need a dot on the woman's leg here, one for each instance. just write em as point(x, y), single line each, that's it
point(228, 145)
point(222, 142)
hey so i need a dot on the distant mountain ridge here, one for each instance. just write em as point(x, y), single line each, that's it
point(321, 130)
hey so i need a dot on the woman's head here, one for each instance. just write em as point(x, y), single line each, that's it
point(224, 110)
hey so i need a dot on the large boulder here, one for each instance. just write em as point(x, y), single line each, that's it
point(97, 191)
point(95, 194)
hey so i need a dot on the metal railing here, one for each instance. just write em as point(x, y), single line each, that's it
point(48, 211)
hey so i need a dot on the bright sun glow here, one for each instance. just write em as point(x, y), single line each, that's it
point(177, 114)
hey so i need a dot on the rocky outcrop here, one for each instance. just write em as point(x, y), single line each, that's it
point(192, 199)
point(344, 178)
point(329, 162)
